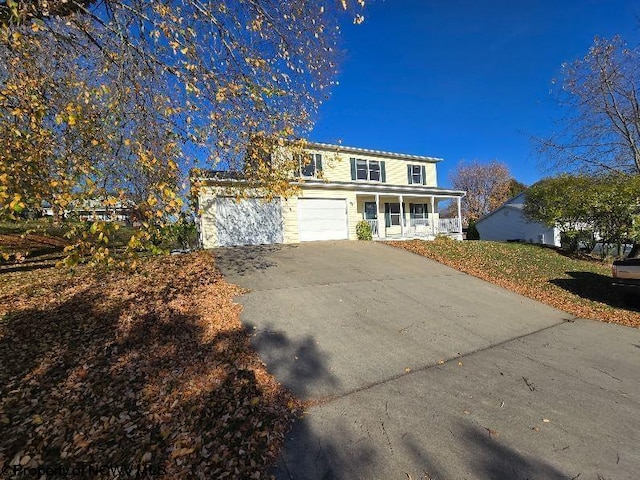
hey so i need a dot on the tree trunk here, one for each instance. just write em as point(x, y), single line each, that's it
point(56, 214)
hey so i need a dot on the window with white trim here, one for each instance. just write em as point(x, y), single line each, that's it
point(370, 211)
point(393, 214)
point(361, 170)
point(309, 165)
point(416, 174)
point(368, 170)
point(418, 214)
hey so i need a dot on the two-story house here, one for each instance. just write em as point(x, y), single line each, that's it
point(340, 186)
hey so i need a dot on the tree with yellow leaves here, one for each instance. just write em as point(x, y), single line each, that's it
point(115, 100)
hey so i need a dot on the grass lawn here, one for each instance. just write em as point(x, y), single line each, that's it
point(581, 287)
point(151, 371)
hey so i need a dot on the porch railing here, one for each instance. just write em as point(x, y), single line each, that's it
point(374, 227)
point(420, 227)
point(419, 222)
point(449, 225)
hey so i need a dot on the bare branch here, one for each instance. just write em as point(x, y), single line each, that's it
point(602, 129)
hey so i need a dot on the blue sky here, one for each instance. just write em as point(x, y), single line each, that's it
point(462, 79)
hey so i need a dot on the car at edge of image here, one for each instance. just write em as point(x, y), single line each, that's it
point(626, 273)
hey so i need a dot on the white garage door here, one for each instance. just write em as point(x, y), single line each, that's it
point(322, 219)
point(248, 222)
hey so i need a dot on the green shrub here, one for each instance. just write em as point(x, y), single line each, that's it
point(363, 230)
point(183, 233)
point(573, 240)
point(472, 231)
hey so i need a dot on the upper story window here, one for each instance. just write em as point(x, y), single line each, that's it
point(416, 174)
point(372, 170)
point(368, 170)
point(362, 170)
point(310, 164)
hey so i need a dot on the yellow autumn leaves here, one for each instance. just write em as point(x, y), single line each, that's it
point(91, 111)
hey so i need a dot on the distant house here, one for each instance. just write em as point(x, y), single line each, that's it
point(94, 210)
point(508, 223)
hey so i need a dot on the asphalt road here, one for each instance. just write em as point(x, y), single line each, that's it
point(418, 371)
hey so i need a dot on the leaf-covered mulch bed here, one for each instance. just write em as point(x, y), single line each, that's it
point(15, 248)
point(581, 287)
point(149, 374)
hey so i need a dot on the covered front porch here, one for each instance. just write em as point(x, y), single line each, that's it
point(400, 216)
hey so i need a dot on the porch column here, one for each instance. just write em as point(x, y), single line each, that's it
point(459, 217)
point(381, 232)
point(401, 218)
point(433, 215)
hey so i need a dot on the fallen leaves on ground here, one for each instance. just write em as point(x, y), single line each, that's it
point(581, 287)
point(17, 247)
point(151, 371)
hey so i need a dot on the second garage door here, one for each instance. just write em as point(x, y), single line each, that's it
point(251, 221)
point(322, 219)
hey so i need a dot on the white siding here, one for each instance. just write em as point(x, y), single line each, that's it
point(509, 223)
point(517, 201)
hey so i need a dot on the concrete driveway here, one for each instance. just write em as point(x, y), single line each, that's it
point(418, 371)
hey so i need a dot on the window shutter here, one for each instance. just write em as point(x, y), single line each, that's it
point(353, 169)
point(318, 162)
point(387, 215)
point(424, 175)
point(409, 175)
point(383, 173)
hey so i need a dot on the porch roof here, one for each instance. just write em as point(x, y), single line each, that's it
point(384, 189)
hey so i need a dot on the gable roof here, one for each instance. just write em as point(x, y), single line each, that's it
point(510, 204)
point(511, 201)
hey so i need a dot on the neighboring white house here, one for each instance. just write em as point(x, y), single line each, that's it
point(94, 210)
point(396, 193)
point(508, 222)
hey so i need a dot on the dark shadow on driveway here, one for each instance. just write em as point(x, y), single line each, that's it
point(489, 457)
point(361, 451)
point(331, 442)
point(596, 287)
point(298, 364)
point(429, 466)
point(310, 455)
point(302, 368)
point(245, 260)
